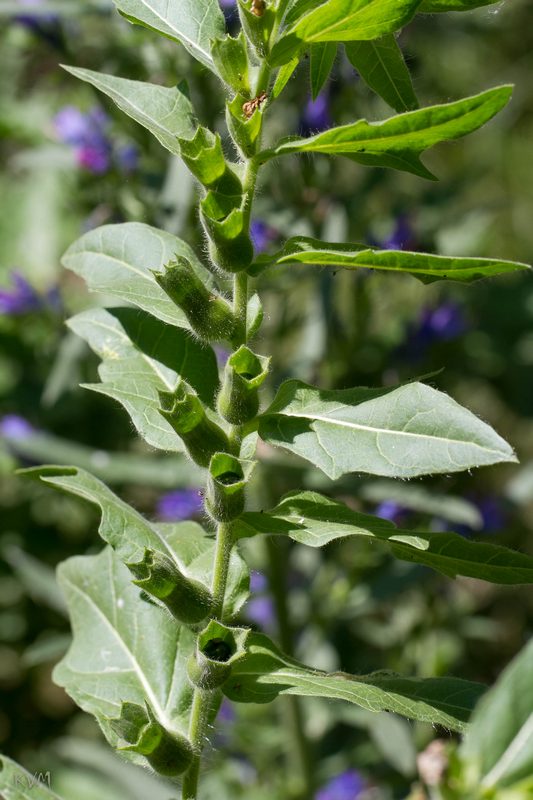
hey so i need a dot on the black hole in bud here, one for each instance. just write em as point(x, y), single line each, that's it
point(248, 376)
point(229, 478)
point(218, 650)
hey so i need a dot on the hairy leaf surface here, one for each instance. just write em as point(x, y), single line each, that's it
point(266, 672)
point(167, 113)
point(398, 142)
point(118, 260)
point(404, 432)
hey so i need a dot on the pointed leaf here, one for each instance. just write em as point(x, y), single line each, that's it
point(401, 433)
point(398, 142)
point(118, 259)
point(432, 6)
point(124, 649)
point(314, 520)
point(341, 21)
point(142, 356)
point(381, 65)
point(167, 113)
point(17, 783)
point(265, 673)
point(499, 743)
point(129, 534)
point(194, 23)
point(322, 58)
point(424, 266)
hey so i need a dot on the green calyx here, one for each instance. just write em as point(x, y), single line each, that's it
point(231, 60)
point(258, 18)
point(226, 485)
point(244, 374)
point(188, 600)
point(218, 649)
point(204, 156)
point(167, 753)
point(209, 314)
point(202, 437)
point(225, 222)
point(244, 118)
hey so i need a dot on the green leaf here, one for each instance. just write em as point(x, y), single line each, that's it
point(117, 636)
point(381, 65)
point(265, 672)
point(17, 783)
point(432, 6)
point(118, 260)
point(142, 356)
point(322, 58)
point(398, 142)
point(283, 77)
point(424, 266)
point(129, 534)
point(167, 113)
point(312, 519)
point(194, 23)
point(341, 21)
point(399, 433)
point(499, 743)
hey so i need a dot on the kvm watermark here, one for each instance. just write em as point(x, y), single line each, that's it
point(28, 782)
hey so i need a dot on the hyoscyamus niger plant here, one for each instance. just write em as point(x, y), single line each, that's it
point(155, 646)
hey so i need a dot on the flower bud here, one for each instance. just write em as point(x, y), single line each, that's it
point(244, 128)
point(201, 436)
point(231, 60)
point(187, 599)
point(218, 649)
point(204, 156)
point(244, 373)
point(227, 230)
point(167, 753)
point(226, 484)
point(209, 315)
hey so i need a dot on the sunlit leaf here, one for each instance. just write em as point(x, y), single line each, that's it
point(381, 65)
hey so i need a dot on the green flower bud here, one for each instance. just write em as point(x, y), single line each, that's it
point(167, 753)
point(257, 18)
point(226, 484)
point(204, 156)
point(244, 127)
point(231, 60)
point(210, 316)
point(217, 650)
point(227, 230)
point(187, 599)
point(201, 436)
point(244, 373)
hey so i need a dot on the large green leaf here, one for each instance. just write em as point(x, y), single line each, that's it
point(125, 649)
point(341, 21)
point(129, 534)
point(431, 6)
point(399, 141)
point(265, 673)
point(18, 784)
point(312, 519)
point(400, 433)
point(424, 266)
point(142, 356)
point(381, 65)
point(499, 743)
point(118, 259)
point(167, 113)
point(194, 23)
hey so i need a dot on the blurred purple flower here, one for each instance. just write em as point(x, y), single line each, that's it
point(260, 608)
point(87, 134)
point(127, 157)
point(493, 515)
point(393, 511)
point(316, 116)
point(222, 355)
point(38, 21)
point(401, 237)
point(258, 582)
point(12, 426)
point(442, 323)
point(262, 235)
point(347, 786)
point(21, 299)
point(227, 712)
point(179, 505)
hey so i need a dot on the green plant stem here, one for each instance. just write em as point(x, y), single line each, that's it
point(300, 756)
point(197, 727)
point(221, 566)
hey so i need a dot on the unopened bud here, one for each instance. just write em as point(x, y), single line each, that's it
point(244, 374)
point(201, 436)
point(227, 230)
point(226, 486)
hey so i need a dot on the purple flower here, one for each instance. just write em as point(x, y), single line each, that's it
point(316, 116)
point(493, 517)
point(179, 505)
point(87, 133)
point(21, 299)
point(12, 426)
point(393, 511)
point(258, 582)
point(443, 323)
point(227, 712)
point(127, 157)
point(260, 608)
point(262, 235)
point(222, 355)
point(38, 21)
point(347, 786)
point(401, 237)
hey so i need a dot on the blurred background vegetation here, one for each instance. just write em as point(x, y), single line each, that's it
point(70, 162)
